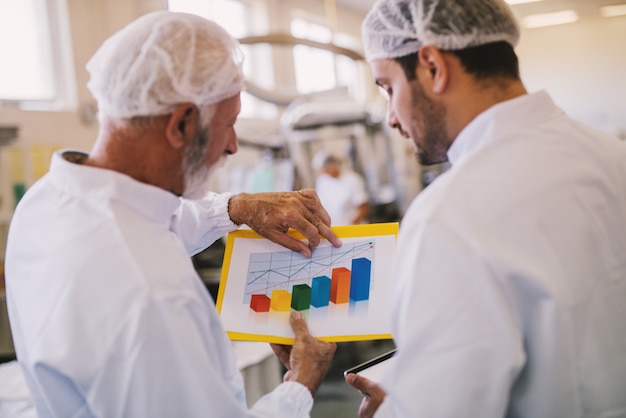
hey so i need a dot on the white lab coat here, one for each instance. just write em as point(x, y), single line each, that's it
point(510, 293)
point(109, 317)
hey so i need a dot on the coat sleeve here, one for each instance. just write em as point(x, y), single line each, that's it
point(199, 223)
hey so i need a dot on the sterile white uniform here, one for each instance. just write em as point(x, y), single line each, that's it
point(108, 315)
point(510, 297)
point(341, 196)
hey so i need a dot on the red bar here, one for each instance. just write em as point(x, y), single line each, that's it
point(260, 303)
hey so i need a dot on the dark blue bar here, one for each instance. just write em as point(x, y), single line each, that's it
point(360, 280)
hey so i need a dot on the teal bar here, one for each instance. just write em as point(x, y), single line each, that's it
point(320, 294)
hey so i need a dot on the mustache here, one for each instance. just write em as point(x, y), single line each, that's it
point(402, 131)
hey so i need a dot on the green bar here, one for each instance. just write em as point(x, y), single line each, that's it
point(19, 189)
point(301, 297)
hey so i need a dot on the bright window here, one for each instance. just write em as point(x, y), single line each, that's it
point(317, 69)
point(36, 64)
point(345, 67)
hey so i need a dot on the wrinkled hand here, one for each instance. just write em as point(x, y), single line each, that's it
point(307, 361)
point(374, 394)
point(271, 214)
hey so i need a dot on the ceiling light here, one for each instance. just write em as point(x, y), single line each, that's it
point(521, 1)
point(613, 10)
point(549, 19)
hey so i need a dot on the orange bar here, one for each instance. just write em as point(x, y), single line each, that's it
point(340, 285)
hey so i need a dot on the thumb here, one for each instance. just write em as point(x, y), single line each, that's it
point(358, 382)
point(298, 324)
point(367, 387)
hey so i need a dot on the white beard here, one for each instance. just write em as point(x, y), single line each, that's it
point(197, 184)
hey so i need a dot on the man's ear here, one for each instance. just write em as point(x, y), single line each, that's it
point(182, 124)
point(435, 68)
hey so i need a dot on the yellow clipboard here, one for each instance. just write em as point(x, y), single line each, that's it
point(345, 292)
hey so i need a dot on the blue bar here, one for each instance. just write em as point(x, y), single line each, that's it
point(320, 291)
point(361, 276)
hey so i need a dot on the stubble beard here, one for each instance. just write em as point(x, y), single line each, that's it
point(431, 116)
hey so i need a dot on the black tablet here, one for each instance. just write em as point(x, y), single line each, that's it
point(370, 363)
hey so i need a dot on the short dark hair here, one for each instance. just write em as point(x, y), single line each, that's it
point(409, 65)
point(496, 59)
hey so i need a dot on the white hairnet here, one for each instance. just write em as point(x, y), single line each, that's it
point(161, 60)
point(396, 28)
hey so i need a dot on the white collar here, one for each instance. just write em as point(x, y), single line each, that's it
point(508, 116)
point(75, 178)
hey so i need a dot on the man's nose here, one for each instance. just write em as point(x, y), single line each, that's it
point(392, 120)
point(231, 145)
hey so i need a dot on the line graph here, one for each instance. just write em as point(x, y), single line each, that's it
point(271, 271)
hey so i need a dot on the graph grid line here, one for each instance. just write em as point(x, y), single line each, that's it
point(282, 270)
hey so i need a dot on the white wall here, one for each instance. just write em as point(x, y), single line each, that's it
point(583, 66)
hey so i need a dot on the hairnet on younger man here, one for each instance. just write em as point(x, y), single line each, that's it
point(396, 28)
point(143, 71)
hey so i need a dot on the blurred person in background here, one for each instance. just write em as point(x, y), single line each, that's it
point(341, 191)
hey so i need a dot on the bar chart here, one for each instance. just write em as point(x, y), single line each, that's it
point(284, 281)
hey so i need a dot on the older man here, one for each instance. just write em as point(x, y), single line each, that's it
point(511, 267)
point(108, 314)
